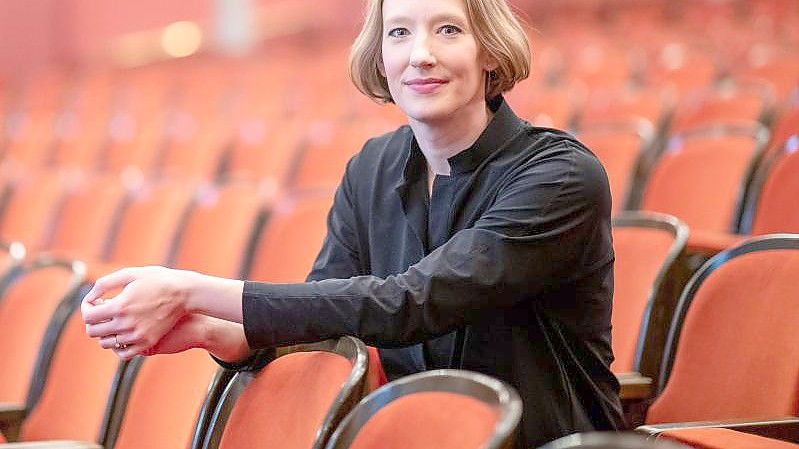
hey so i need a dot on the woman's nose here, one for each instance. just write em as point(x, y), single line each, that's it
point(422, 54)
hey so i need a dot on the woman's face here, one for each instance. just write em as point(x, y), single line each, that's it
point(432, 61)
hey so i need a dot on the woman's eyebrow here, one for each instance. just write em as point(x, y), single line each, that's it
point(452, 18)
point(437, 18)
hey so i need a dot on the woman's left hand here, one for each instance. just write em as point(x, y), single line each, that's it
point(150, 303)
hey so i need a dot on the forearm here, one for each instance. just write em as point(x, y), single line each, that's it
point(215, 296)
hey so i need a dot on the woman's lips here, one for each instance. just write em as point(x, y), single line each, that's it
point(425, 85)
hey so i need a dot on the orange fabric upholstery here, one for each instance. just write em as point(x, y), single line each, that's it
point(165, 401)
point(375, 376)
point(327, 150)
point(776, 208)
point(285, 405)
point(86, 218)
point(624, 105)
point(78, 386)
point(720, 438)
point(31, 208)
point(640, 254)
point(230, 211)
point(682, 183)
point(161, 207)
point(618, 152)
point(263, 151)
point(737, 355)
point(429, 420)
point(712, 242)
point(742, 107)
point(291, 239)
point(194, 149)
point(135, 141)
point(25, 311)
point(786, 125)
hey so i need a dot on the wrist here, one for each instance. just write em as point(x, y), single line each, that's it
point(205, 294)
point(225, 340)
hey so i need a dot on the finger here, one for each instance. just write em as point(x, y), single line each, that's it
point(116, 280)
point(120, 341)
point(112, 327)
point(106, 311)
point(128, 352)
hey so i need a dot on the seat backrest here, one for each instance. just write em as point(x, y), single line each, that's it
point(194, 148)
point(786, 125)
point(160, 408)
point(620, 149)
point(732, 349)
point(651, 104)
point(136, 140)
point(423, 410)
point(295, 401)
point(731, 106)
point(81, 379)
point(702, 179)
point(31, 208)
point(149, 224)
point(770, 206)
point(218, 230)
point(647, 246)
point(40, 298)
point(327, 148)
point(86, 218)
point(12, 256)
point(263, 151)
point(291, 238)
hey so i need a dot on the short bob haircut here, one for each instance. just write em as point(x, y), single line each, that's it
point(496, 29)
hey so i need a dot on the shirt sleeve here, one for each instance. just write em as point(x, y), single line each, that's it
point(531, 239)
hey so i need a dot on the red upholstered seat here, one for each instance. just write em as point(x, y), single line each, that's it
point(438, 420)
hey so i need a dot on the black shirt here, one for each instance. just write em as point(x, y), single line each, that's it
point(506, 269)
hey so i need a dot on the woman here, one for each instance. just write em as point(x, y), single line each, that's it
point(466, 239)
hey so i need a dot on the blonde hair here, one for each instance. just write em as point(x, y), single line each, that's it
point(496, 29)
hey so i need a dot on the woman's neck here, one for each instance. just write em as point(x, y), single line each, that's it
point(443, 139)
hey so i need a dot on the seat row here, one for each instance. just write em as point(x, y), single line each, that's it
point(729, 352)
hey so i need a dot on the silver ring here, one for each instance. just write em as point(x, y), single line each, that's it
point(118, 345)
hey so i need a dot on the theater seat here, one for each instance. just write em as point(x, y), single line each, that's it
point(442, 409)
point(732, 352)
point(295, 401)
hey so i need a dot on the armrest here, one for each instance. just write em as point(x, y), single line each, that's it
point(782, 428)
point(634, 386)
point(52, 445)
point(11, 417)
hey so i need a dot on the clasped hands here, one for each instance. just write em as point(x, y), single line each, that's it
point(149, 310)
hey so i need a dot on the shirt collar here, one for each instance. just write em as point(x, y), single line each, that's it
point(503, 125)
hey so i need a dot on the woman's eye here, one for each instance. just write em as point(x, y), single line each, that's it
point(449, 29)
point(398, 32)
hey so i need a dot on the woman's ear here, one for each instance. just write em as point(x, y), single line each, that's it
point(490, 64)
